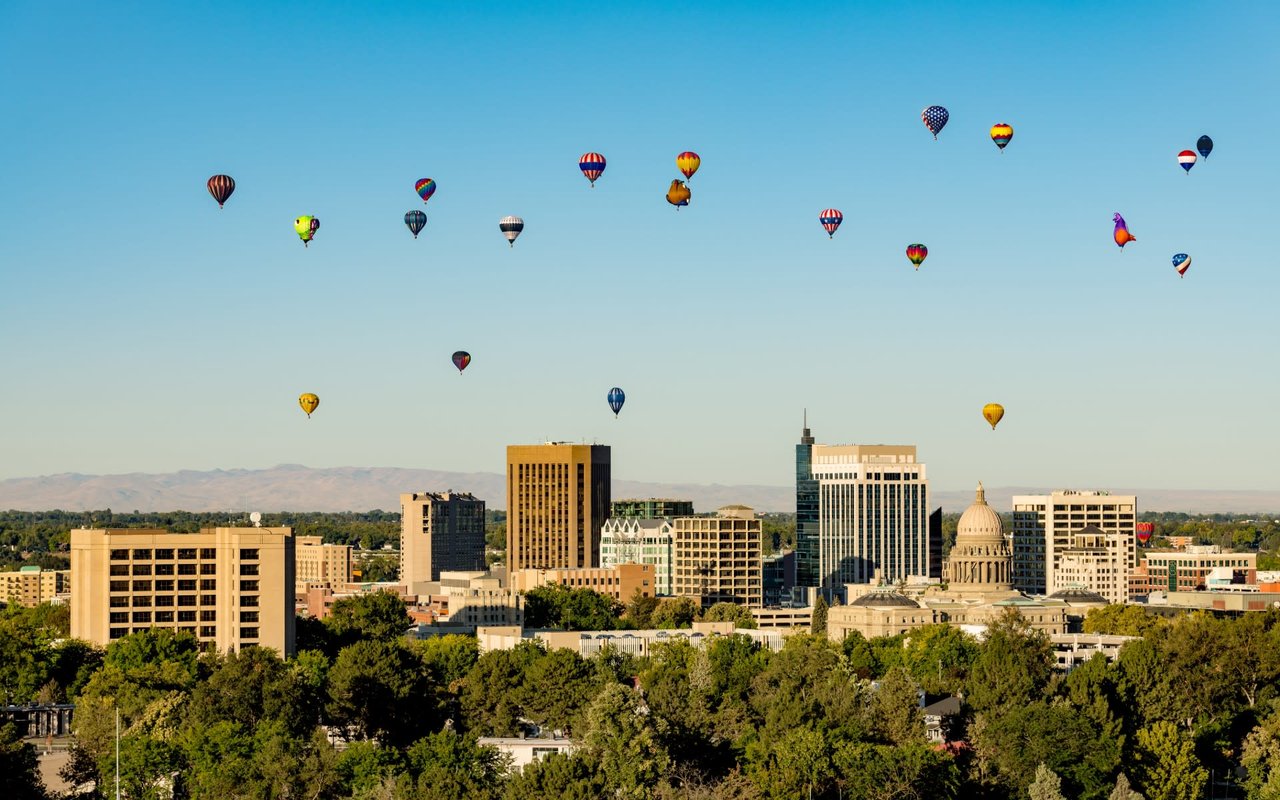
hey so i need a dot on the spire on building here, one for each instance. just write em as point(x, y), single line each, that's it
point(806, 437)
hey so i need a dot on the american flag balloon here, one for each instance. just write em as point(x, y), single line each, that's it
point(1187, 160)
point(935, 119)
point(1182, 263)
point(592, 166)
point(830, 219)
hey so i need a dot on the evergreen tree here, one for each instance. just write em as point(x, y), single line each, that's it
point(1123, 791)
point(818, 624)
point(1047, 785)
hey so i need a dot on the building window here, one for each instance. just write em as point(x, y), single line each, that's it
point(142, 616)
point(186, 616)
point(248, 586)
point(141, 554)
point(141, 601)
point(208, 552)
point(120, 602)
point(208, 600)
point(164, 555)
point(208, 569)
point(119, 633)
point(119, 616)
point(186, 599)
point(164, 569)
point(248, 633)
point(186, 586)
point(251, 601)
point(208, 631)
point(141, 569)
point(186, 553)
point(119, 555)
point(186, 569)
point(209, 615)
point(164, 600)
point(164, 616)
point(119, 569)
point(248, 569)
point(248, 616)
point(249, 554)
point(164, 586)
point(208, 585)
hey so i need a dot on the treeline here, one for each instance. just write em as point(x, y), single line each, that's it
point(362, 712)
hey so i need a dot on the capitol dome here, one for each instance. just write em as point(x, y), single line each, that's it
point(979, 523)
point(980, 560)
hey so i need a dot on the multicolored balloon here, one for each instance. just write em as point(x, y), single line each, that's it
point(1144, 530)
point(1182, 263)
point(1122, 235)
point(461, 359)
point(425, 187)
point(592, 166)
point(935, 119)
point(616, 398)
point(1187, 160)
point(830, 219)
point(416, 221)
point(688, 163)
point(306, 228)
point(309, 402)
point(679, 194)
point(221, 187)
point(993, 413)
point(511, 227)
point(1001, 134)
point(1205, 145)
point(916, 254)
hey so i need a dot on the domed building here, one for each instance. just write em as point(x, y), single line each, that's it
point(980, 560)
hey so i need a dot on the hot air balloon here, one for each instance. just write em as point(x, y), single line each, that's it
point(221, 187)
point(1187, 160)
point(916, 254)
point(993, 413)
point(425, 187)
point(592, 166)
point(1122, 235)
point(688, 163)
point(1205, 145)
point(306, 228)
point(679, 194)
point(461, 359)
point(416, 221)
point(1182, 263)
point(830, 219)
point(309, 402)
point(1144, 531)
point(935, 119)
point(511, 227)
point(1001, 134)
point(616, 398)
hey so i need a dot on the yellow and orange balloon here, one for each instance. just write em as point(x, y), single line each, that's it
point(688, 163)
point(993, 413)
point(309, 402)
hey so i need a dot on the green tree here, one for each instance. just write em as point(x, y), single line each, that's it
point(738, 614)
point(1013, 665)
point(889, 772)
point(148, 768)
point(1166, 765)
point(19, 770)
point(557, 606)
point(364, 767)
point(799, 764)
point(24, 656)
point(1123, 791)
point(895, 709)
point(675, 612)
point(1121, 620)
point(939, 657)
point(1011, 742)
point(818, 622)
point(380, 690)
point(446, 765)
point(1046, 786)
point(379, 616)
point(1261, 758)
point(490, 694)
point(640, 608)
point(621, 736)
point(557, 777)
point(556, 688)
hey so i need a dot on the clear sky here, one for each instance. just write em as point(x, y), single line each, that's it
point(145, 330)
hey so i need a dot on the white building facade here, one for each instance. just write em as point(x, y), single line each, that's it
point(1074, 539)
point(640, 541)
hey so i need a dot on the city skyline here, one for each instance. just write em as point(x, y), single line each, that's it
point(151, 331)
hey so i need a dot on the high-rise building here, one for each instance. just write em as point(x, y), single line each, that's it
point(1044, 528)
point(873, 519)
point(229, 587)
point(557, 502)
point(650, 508)
point(807, 561)
point(31, 586)
point(634, 540)
point(718, 558)
point(440, 532)
point(319, 565)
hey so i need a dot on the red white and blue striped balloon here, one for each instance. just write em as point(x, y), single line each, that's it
point(592, 166)
point(830, 219)
point(1187, 159)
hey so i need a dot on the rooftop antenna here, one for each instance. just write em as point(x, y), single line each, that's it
point(256, 519)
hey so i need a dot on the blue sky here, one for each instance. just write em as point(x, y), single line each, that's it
point(145, 330)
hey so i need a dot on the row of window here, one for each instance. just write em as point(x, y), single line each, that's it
point(204, 632)
point(183, 553)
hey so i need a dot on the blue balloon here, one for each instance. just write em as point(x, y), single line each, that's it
point(1205, 145)
point(616, 398)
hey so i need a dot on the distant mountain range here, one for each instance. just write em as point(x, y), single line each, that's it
point(291, 487)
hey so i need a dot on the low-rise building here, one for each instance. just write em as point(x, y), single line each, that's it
point(1188, 570)
point(620, 582)
point(320, 565)
point(31, 586)
point(635, 643)
point(524, 751)
point(635, 540)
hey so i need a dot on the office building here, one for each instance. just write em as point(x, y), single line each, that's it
point(31, 586)
point(650, 508)
point(440, 532)
point(319, 565)
point(557, 502)
point(718, 558)
point(778, 578)
point(1192, 570)
point(620, 582)
point(1044, 528)
point(632, 540)
point(873, 519)
point(807, 571)
point(1095, 560)
point(229, 587)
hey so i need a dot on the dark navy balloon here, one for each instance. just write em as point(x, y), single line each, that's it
point(1205, 145)
point(416, 221)
point(616, 398)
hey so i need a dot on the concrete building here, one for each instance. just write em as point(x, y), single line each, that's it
point(620, 582)
point(1044, 527)
point(523, 751)
point(718, 558)
point(1190, 570)
point(636, 643)
point(650, 508)
point(873, 518)
point(1095, 559)
point(230, 587)
point(557, 502)
point(319, 565)
point(31, 586)
point(637, 540)
point(471, 599)
point(439, 532)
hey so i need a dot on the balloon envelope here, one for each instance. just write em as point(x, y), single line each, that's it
point(309, 402)
point(425, 187)
point(1187, 160)
point(830, 219)
point(221, 187)
point(461, 359)
point(935, 119)
point(1182, 263)
point(679, 194)
point(1144, 531)
point(993, 413)
point(511, 227)
point(306, 228)
point(1205, 145)
point(916, 254)
point(616, 398)
point(592, 166)
point(688, 163)
point(1121, 233)
point(416, 221)
point(1001, 134)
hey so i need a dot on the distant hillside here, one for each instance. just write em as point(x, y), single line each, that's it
point(290, 487)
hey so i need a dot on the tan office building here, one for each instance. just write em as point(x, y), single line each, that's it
point(717, 559)
point(320, 565)
point(31, 586)
point(1044, 528)
point(620, 582)
point(439, 532)
point(230, 587)
point(557, 502)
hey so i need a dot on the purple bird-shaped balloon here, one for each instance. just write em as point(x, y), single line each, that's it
point(1122, 234)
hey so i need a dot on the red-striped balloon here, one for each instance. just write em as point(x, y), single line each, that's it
point(221, 187)
point(830, 219)
point(592, 166)
point(1145, 530)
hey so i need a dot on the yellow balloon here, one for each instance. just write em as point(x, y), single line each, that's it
point(306, 227)
point(994, 412)
point(679, 194)
point(309, 402)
